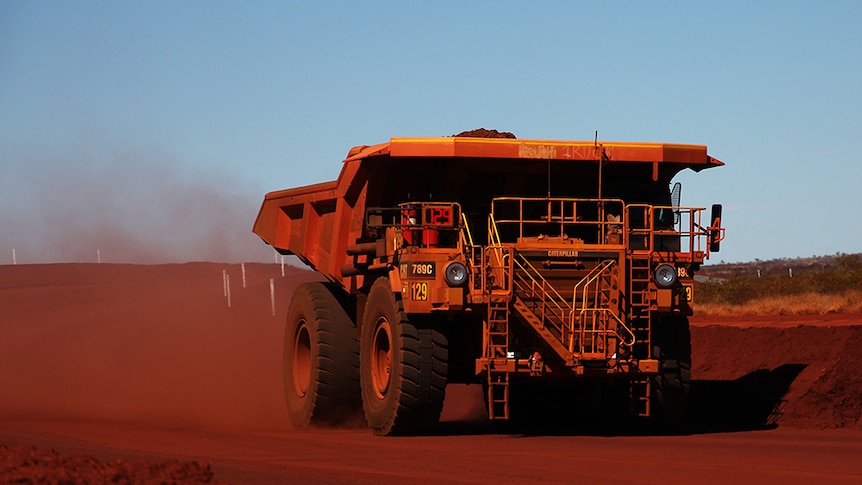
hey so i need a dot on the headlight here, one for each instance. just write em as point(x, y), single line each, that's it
point(456, 274)
point(665, 275)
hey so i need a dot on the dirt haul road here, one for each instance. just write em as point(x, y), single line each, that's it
point(149, 365)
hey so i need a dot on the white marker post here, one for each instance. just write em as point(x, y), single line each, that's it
point(272, 294)
point(98, 255)
point(282, 266)
point(14, 259)
point(224, 281)
point(227, 285)
point(242, 265)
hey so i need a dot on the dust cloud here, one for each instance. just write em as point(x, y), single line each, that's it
point(126, 209)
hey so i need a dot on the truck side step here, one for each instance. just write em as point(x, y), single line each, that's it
point(639, 392)
point(498, 397)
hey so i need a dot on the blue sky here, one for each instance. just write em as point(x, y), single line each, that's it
point(151, 130)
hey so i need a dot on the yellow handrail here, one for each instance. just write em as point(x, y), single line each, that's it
point(493, 233)
point(583, 309)
point(549, 294)
point(467, 229)
point(620, 324)
point(588, 280)
point(495, 257)
point(527, 267)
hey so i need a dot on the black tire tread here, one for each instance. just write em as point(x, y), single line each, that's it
point(424, 365)
point(336, 396)
point(670, 389)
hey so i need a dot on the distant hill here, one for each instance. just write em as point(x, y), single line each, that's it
point(779, 267)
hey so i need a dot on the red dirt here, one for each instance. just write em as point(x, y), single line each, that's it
point(485, 133)
point(27, 464)
point(148, 365)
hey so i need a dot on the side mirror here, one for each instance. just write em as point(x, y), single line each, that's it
point(715, 229)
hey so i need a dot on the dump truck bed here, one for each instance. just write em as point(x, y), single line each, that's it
point(320, 222)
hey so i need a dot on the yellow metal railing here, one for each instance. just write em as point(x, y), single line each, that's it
point(593, 316)
point(548, 304)
point(666, 228)
point(473, 254)
point(588, 280)
point(497, 261)
point(607, 222)
point(466, 235)
point(593, 221)
point(493, 232)
point(536, 278)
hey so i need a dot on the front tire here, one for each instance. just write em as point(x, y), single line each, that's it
point(403, 366)
point(321, 359)
point(670, 388)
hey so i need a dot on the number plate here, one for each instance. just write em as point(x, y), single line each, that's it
point(439, 216)
point(419, 290)
point(421, 270)
point(686, 293)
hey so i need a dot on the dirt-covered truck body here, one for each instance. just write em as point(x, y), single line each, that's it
point(520, 265)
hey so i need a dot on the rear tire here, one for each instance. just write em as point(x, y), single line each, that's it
point(670, 388)
point(321, 359)
point(403, 366)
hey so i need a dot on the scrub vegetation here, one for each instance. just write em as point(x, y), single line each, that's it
point(820, 285)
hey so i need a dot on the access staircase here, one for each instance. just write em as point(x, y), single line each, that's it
point(538, 303)
point(582, 327)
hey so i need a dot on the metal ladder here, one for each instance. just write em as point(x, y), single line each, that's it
point(639, 278)
point(498, 354)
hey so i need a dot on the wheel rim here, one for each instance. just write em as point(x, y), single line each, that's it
point(381, 358)
point(301, 359)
